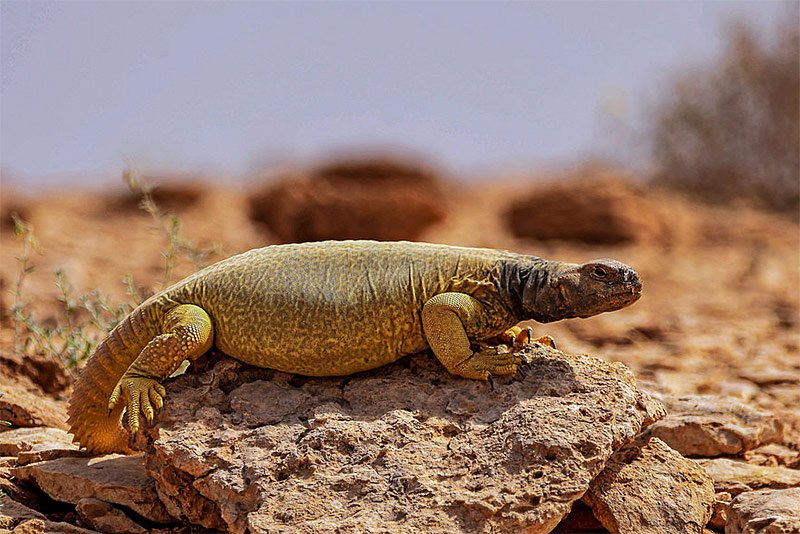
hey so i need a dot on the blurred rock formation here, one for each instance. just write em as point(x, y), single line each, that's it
point(377, 198)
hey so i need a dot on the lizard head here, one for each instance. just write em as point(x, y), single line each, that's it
point(585, 290)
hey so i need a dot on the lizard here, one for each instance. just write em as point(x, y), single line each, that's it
point(365, 303)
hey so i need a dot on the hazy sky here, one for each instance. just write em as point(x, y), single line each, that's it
point(225, 86)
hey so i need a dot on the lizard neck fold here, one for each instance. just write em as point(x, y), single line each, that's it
point(523, 280)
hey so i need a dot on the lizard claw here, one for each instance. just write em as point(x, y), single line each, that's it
point(521, 371)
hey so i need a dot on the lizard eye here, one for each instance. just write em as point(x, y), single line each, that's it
point(599, 272)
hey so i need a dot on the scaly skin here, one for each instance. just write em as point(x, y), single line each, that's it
point(332, 309)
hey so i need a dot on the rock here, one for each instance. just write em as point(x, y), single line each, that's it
point(13, 513)
point(9, 488)
point(719, 514)
point(170, 193)
point(709, 425)
point(774, 455)
point(36, 440)
point(104, 517)
point(23, 408)
point(34, 371)
point(113, 478)
point(736, 477)
point(404, 447)
point(649, 487)
point(765, 512)
point(20, 519)
point(613, 209)
point(765, 375)
point(376, 198)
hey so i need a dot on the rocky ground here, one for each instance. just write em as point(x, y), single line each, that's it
point(576, 446)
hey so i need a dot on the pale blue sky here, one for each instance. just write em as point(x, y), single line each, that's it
point(223, 86)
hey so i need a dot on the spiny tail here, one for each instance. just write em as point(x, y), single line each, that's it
point(89, 419)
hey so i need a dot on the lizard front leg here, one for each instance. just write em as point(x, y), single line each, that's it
point(188, 334)
point(445, 320)
point(515, 335)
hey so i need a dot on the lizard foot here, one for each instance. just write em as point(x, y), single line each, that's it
point(487, 362)
point(140, 395)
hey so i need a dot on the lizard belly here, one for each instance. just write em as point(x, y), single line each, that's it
point(320, 339)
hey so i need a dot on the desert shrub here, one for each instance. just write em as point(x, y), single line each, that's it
point(731, 130)
point(82, 319)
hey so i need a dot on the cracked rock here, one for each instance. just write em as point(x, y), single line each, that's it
point(737, 477)
point(113, 478)
point(710, 425)
point(765, 512)
point(407, 447)
point(647, 487)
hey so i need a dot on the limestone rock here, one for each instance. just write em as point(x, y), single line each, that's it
point(37, 443)
point(765, 512)
point(648, 487)
point(736, 477)
point(106, 518)
point(406, 447)
point(709, 425)
point(374, 198)
point(23, 408)
point(113, 478)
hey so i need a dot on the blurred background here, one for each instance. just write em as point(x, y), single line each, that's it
point(227, 90)
point(140, 141)
point(664, 134)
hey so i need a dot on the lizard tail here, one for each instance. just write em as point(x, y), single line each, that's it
point(94, 427)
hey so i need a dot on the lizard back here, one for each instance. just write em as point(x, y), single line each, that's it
point(297, 307)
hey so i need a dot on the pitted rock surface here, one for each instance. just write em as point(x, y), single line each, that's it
point(765, 512)
point(710, 425)
point(647, 487)
point(404, 448)
point(736, 477)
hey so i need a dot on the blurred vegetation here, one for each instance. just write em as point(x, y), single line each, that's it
point(71, 339)
point(731, 130)
point(83, 320)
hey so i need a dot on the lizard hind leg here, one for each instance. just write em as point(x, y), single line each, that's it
point(188, 333)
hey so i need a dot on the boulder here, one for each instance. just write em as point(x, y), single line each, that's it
point(765, 512)
point(647, 487)
point(593, 206)
point(113, 478)
point(375, 198)
point(709, 425)
point(407, 447)
point(735, 477)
